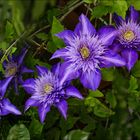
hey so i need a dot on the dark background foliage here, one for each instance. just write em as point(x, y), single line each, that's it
point(110, 113)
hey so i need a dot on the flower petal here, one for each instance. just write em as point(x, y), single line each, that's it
point(21, 56)
point(16, 85)
point(41, 70)
point(4, 64)
point(107, 34)
point(84, 27)
point(59, 53)
point(42, 112)
point(10, 107)
point(113, 59)
point(4, 84)
point(67, 36)
point(28, 85)
point(30, 102)
point(72, 91)
point(133, 14)
point(63, 107)
point(56, 68)
point(26, 70)
point(66, 73)
point(131, 56)
point(116, 47)
point(91, 79)
point(118, 19)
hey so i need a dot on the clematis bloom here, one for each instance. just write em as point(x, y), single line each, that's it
point(14, 68)
point(128, 39)
point(48, 89)
point(6, 106)
point(87, 51)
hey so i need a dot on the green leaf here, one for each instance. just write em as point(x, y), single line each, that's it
point(99, 11)
point(108, 74)
point(35, 128)
point(136, 126)
point(120, 7)
point(9, 30)
point(111, 99)
point(133, 103)
point(96, 93)
point(133, 85)
point(91, 102)
point(107, 2)
point(51, 47)
point(18, 132)
point(102, 111)
point(136, 69)
point(69, 123)
point(17, 15)
point(135, 3)
point(42, 36)
point(3, 45)
point(38, 9)
point(89, 1)
point(56, 28)
point(77, 135)
point(53, 134)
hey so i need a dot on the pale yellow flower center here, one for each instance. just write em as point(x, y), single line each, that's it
point(11, 71)
point(48, 88)
point(84, 51)
point(129, 35)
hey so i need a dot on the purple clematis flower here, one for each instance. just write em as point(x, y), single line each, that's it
point(14, 68)
point(5, 105)
point(48, 90)
point(87, 51)
point(128, 40)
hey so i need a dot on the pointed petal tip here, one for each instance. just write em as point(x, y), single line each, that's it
point(73, 92)
point(130, 56)
point(41, 70)
point(63, 107)
point(91, 80)
point(42, 112)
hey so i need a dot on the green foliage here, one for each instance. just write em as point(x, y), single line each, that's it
point(56, 28)
point(38, 9)
point(17, 15)
point(42, 36)
point(96, 93)
point(136, 125)
point(105, 6)
point(133, 85)
point(94, 105)
point(77, 135)
point(135, 3)
point(18, 132)
point(136, 69)
point(108, 74)
point(35, 129)
point(100, 11)
point(111, 98)
point(120, 7)
point(9, 31)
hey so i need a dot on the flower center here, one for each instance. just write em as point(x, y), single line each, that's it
point(48, 88)
point(129, 35)
point(84, 51)
point(11, 70)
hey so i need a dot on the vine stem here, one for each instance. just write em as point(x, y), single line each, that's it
point(71, 9)
point(7, 50)
point(61, 19)
point(110, 18)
